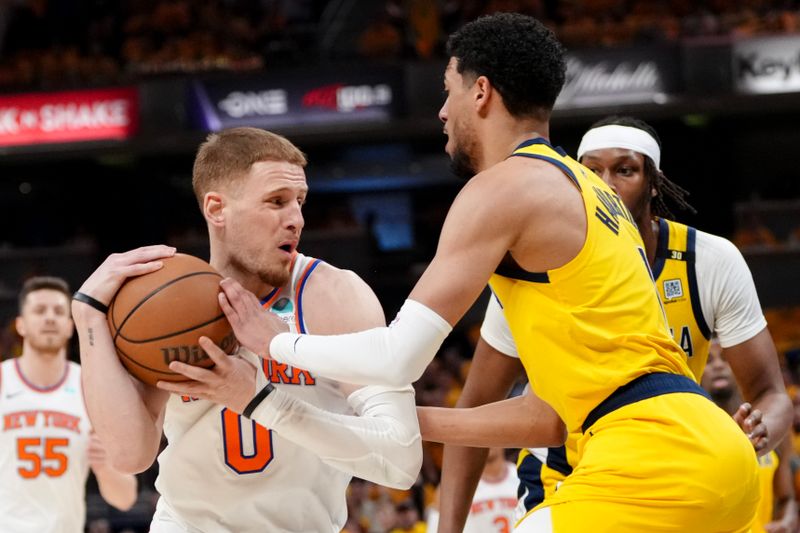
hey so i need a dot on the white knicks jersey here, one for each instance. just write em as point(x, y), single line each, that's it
point(221, 472)
point(44, 460)
point(493, 508)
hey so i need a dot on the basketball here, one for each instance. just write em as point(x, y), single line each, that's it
point(158, 318)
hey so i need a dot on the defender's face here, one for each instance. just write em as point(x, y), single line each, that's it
point(623, 170)
point(456, 116)
point(45, 323)
point(264, 220)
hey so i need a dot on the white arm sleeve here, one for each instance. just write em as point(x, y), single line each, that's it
point(495, 330)
point(381, 444)
point(727, 293)
point(392, 356)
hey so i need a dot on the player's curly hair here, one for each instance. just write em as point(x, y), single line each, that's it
point(519, 55)
point(656, 179)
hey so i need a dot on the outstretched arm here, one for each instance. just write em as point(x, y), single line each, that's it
point(474, 239)
point(520, 422)
point(126, 414)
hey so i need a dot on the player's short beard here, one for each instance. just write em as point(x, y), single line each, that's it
point(463, 161)
point(274, 277)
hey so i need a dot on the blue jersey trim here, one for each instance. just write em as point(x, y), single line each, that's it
point(518, 273)
point(641, 388)
point(694, 294)
point(299, 296)
point(266, 298)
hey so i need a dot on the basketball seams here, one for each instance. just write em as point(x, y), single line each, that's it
point(151, 307)
point(173, 334)
point(153, 293)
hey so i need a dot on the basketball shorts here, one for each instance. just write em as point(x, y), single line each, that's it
point(670, 463)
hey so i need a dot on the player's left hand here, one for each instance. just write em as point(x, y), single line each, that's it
point(750, 420)
point(253, 326)
point(230, 382)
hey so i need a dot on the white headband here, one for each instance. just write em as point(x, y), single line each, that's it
point(616, 136)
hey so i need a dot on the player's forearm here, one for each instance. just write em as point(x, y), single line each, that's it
point(116, 488)
point(776, 408)
point(391, 356)
point(512, 423)
point(117, 411)
point(381, 444)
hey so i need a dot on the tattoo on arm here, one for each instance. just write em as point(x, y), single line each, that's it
point(91, 337)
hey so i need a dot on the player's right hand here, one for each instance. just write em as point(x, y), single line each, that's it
point(750, 420)
point(104, 282)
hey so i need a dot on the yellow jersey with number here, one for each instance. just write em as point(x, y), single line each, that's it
point(597, 318)
point(676, 280)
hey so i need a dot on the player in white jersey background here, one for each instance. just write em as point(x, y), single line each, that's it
point(46, 440)
point(493, 508)
point(282, 465)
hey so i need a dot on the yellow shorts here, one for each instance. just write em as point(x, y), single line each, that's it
point(672, 463)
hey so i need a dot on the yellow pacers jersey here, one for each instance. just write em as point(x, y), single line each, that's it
point(767, 465)
point(676, 280)
point(677, 286)
point(598, 318)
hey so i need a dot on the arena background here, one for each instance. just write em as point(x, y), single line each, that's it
point(103, 104)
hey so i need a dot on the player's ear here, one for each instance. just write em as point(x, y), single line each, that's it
point(20, 325)
point(482, 92)
point(213, 204)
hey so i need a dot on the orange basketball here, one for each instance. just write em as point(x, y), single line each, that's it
point(158, 318)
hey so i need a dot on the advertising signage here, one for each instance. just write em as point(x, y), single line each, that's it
point(64, 117)
point(767, 65)
point(296, 99)
point(620, 76)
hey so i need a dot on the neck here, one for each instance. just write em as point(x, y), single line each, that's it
point(502, 136)
point(43, 369)
point(222, 263)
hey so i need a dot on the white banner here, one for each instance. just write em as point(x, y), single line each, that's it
point(767, 65)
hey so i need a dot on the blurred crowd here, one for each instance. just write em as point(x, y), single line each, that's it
point(74, 43)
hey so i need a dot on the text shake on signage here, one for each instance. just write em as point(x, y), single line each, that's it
point(767, 65)
point(294, 100)
point(92, 115)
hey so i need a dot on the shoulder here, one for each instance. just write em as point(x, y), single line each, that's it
point(718, 250)
point(338, 300)
point(522, 186)
point(328, 278)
